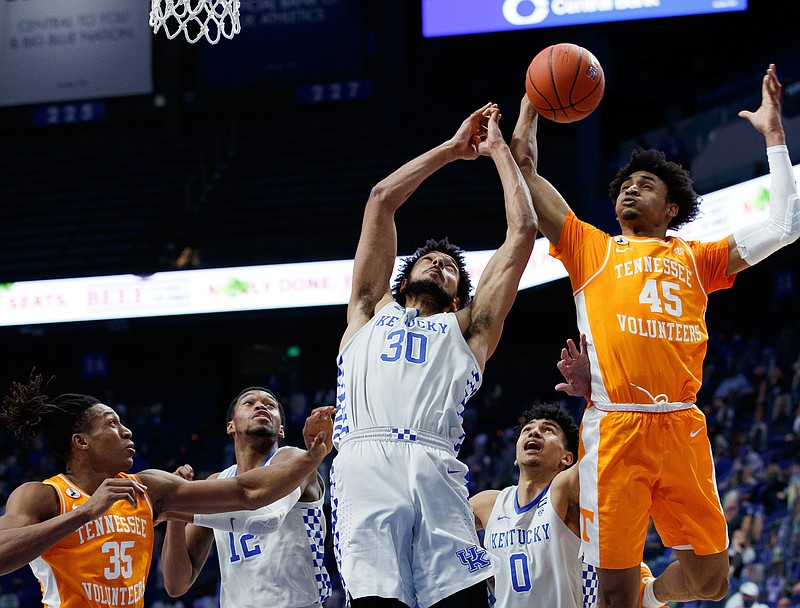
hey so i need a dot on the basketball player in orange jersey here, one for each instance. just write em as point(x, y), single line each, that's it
point(640, 299)
point(88, 532)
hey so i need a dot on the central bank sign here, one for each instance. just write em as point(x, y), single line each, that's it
point(455, 17)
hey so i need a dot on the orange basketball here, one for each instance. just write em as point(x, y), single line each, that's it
point(565, 82)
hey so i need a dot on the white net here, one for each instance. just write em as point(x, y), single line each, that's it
point(209, 19)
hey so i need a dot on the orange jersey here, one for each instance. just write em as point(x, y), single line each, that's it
point(641, 303)
point(103, 563)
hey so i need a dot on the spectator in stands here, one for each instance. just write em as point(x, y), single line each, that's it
point(734, 387)
point(480, 464)
point(758, 433)
point(740, 553)
point(781, 417)
point(746, 597)
point(771, 490)
point(775, 583)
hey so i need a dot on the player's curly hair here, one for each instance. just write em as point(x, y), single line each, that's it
point(28, 412)
point(232, 406)
point(445, 246)
point(552, 412)
point(680, 188)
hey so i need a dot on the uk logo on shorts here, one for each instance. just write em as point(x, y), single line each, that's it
point(474, 558)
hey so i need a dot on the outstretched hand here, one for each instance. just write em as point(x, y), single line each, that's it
point(574, 366)
point(318, 429)
point(493, 137)
point(767, 119)
point(473, 131)
point(319, 447)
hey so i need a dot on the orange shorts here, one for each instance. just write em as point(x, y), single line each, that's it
point(637, 465)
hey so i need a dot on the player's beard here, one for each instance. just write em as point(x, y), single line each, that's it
point(264, 432)
point(425, 288)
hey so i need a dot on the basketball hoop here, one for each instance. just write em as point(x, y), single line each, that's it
point(209, 19)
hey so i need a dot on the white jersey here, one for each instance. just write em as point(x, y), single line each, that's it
point(407, 373)
point(536, 556)
point(283, 569)
point(402, 385)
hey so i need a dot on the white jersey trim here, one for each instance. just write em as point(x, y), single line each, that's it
point(386, 433)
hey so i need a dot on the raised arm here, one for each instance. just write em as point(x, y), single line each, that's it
point(482, 321)
point(550, 206)
point(377, 246)
point(752, 244)
point(565, 494)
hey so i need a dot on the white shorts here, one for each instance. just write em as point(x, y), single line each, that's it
point(402, 524)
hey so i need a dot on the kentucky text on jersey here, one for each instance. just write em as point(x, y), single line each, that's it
point(115, 596)
point(652, 328)
point(109, 524)
point(421, 323)
point(520, 536)
point(648, 263)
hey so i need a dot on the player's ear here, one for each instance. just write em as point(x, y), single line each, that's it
point(672, 209)
point(79, 441)
point(402, 287)
point(281, 433)
point(229, 429)
point(568, 458)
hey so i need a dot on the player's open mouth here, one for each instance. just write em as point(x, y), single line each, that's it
point(532, 445)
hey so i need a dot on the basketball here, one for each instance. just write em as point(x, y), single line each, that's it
point(565, 82)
